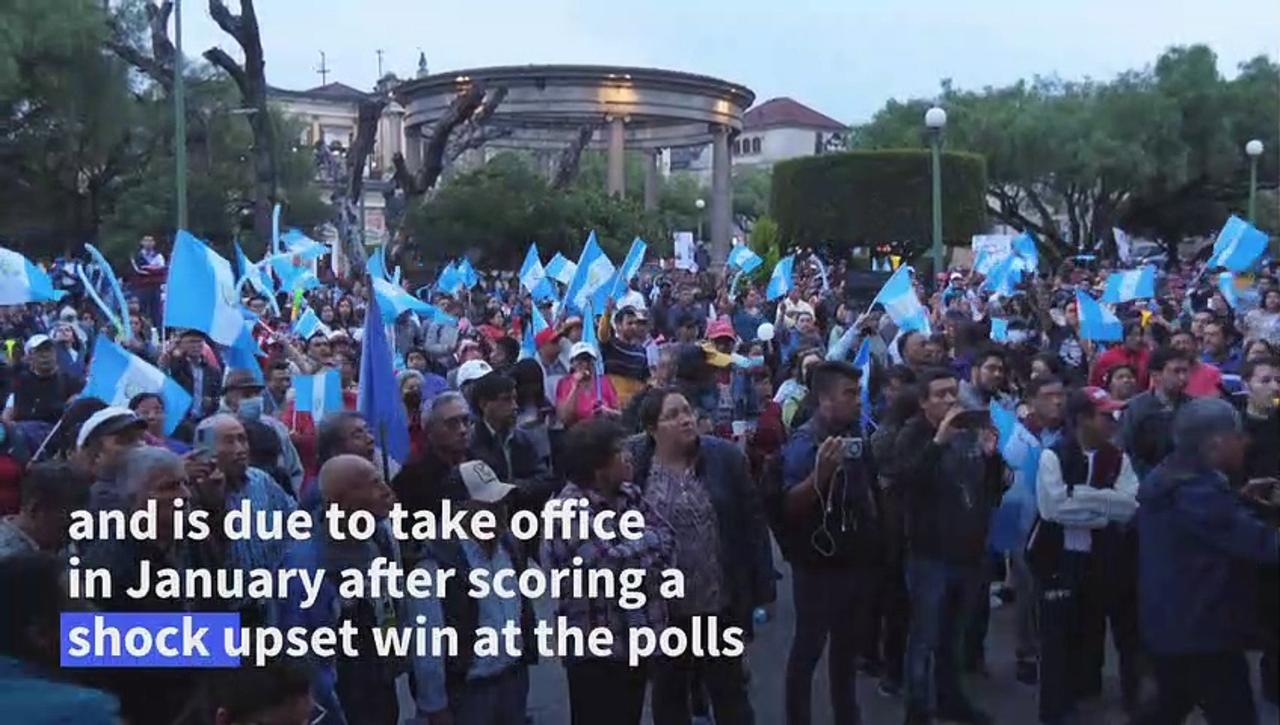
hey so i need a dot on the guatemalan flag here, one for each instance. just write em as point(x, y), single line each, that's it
point(561, 269)
point(1238, 246)
point(999, 329)
point(534, 278)
point(22, 282)
point(1130, 284)
point(449, 281)
point(394, 301)
point(309, 324)
point(780, 280)
point(898, 296)
point(627, 272)
point(467, 273)
point(863, 362)
point(590, 279)
point(202, 291)
point(318, 394)
point(742, 258)
point(116, 375)
point(1096, 322)
point(295, 266)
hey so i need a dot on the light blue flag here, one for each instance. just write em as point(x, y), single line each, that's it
point(22, 282)
point(534, 278)
point(468, 274)
point(255, 274)
point(1096, 322)
point(318, 394)
point(863, 361)
point(561, 269)
point(999, 329)
point(394, 301)
point(245, 352)
point(116, 375)
point(742, 258)
point(1238, 246)
point(1130, 284)
point(1027, 257)
point(379, 398)
point(593, 273)
point(376, 266)
point(202, 291)
point(589, 336)
point(97, 273)
point(294, 265)
point(309, 324)
point(630, 265)
point(900, 301)
point(449, 282)
point(1003, 276)
point(780, 279)
point(1227, 286)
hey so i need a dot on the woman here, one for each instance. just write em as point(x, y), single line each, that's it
point(700, 485)
point(411, 395)
point(793, 391)
point(327, 315)
point(1121, 382)
point(140, 343)
point(580, 395)
point(748, 317)
point(69, 350)
point(1258, 350)
point(345, 317)
point(150, 408)
point(839, 325)
point(606, 689)
point(1264, 322)
point(533, 412)
point(494, 326)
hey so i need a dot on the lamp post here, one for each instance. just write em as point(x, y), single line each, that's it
point(935, 119)
point(179, 119)
point(1253, 150)
point(700, 204)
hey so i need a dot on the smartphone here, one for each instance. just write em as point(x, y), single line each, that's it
point(973, 419)
point(204, 442)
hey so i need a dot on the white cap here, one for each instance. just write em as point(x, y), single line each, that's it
point(582, 348)
point(111, 419)
point(36, 341)
point(482, 483)
point(472, 370)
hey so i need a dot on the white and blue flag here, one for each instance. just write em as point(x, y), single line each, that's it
point(394, 300)
point(743, 259)
point(1097, 322)
point(863, 362)
point(630, 265)
point(256, 275)
point(376, 265)
point(1130, 284)
point(561, 269)
point(534, 278)
point(208, 301)
point(1238, 246)
point(467, 273)
point(449, 281)
point(318, 394)
point(116, 375)
point(898, 296)
point(1231, 293)
point(590, 279)
point(780, 280)
point(999, 329)
point(309, 324)
point(1027, 257)
point(1004, 276)
point(22, 282)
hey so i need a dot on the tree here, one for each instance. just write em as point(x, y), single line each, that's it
point(752, 188)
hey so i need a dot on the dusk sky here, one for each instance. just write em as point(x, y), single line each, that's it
point(843, 57)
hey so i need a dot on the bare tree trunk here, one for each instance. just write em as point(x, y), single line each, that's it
point(159, 65)
point(571, 157)
point(348, 204)
point(251, 80)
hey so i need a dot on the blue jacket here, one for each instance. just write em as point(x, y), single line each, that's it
point(1199, 548)
point(30, 696)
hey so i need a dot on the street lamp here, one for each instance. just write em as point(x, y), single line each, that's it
point(1253, 150)
point(700, 204)
point(935, 119)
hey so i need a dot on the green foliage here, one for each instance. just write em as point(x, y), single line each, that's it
point(764, 236)
point(751, 191)
point(871, 197)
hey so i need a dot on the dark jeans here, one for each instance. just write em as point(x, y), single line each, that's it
point(725, 678)
point(500, 700)
point(605, 691)
point(942, 598)
point(893, 613)
point(1218, 683)
point(829, 602)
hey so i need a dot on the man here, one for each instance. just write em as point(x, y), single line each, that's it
point(1203, 380)
point(189, 369)
point(439, 340)
point(1085, 557)
point(1198, 549)
point(802, 335)
point(622, 344)
point(553, 367)
point(1133, 353)
point(279, 380)
point(986, 379)
point(50, 492)
point(149, 274)
point(790, 308)
point(360, 689)
point(913, 350)
point(242, 396)
point(277, 693)
point(40, 389)
point(1146, 421)
point(951, 477)
point(510, 451)
point(448, 429)
point(831, 539)
point(1218, 349)
point(688, 310)
point(104, 440)
point(1262, 461)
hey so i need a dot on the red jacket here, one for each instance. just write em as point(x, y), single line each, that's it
point(1117, 356)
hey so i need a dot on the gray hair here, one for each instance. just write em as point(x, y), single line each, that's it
point(213, 420)
point(437, 404)
point(1200, 421)
point(331, 433)
point(141, 464)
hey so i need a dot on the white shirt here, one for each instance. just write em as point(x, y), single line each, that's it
point(1086, 508)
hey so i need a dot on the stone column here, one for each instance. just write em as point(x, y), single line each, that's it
point(617, 178)
point(651, 178)
point(413, 147)
point(721, 196)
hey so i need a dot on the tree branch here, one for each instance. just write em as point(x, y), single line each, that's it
point(219, 57)
point(368, 114)
point(571, 156)
point(159, 65)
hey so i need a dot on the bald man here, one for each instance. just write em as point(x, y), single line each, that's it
point(361, 688)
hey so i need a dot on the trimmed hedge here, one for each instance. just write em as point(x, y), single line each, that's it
point(860, 198)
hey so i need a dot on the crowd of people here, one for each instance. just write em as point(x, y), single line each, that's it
point(1129, 486)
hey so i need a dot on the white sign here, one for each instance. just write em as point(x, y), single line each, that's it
point(684, 251)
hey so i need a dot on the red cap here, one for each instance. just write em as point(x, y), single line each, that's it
point(546, 336)
point(1102, 401)
point(720, 328)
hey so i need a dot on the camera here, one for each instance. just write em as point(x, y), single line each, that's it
point(853, 448)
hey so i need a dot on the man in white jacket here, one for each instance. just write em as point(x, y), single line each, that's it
point(1084, 555)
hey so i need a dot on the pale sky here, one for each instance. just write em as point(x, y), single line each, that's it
point(843, 57)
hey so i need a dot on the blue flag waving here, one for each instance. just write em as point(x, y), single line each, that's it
point(1096, 323)
point(22, 282)
point(630, 265)
point(534, 278)
point(780, 280)
point(593, 274)
point(208, 301)
point(1130, 284)
point(116, 375)
point(743, 259)
point(379, 398)
point(1238, 246)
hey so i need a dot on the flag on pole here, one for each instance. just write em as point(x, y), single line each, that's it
point(561, 269)
point(449, 281)
point(467, 273)
point(376, 266)
point(1026, 256)
point(593, 273)
point(309, 324)
point(318, 394)
point(898, 296)
point(1096, 322)
point(202, 291)
point(22, 282)
point(1238, 246)
point(116, 375)
point(780, 279)
point(1130, 284)
point(394, 301)
point(630, 265)
point(245, 352)
point(742, 258)
point(379, 396)
point(863, 362)
point(534, 278)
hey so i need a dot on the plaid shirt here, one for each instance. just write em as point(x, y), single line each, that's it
point(651, 553)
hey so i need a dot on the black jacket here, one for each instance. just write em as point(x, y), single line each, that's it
point(949, 493)
point(42, 397)
point(180, 370)
point(529, 470)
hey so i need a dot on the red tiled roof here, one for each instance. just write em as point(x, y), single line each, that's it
point(785, 111)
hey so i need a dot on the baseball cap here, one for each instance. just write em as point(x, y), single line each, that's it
point(241, 378)
point(36, 341)
point(482, 483)
point(548, 335)
point(1102, 400)
point(719, 328)
point(472, 370)
point(582, 348)
point(109, 420)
